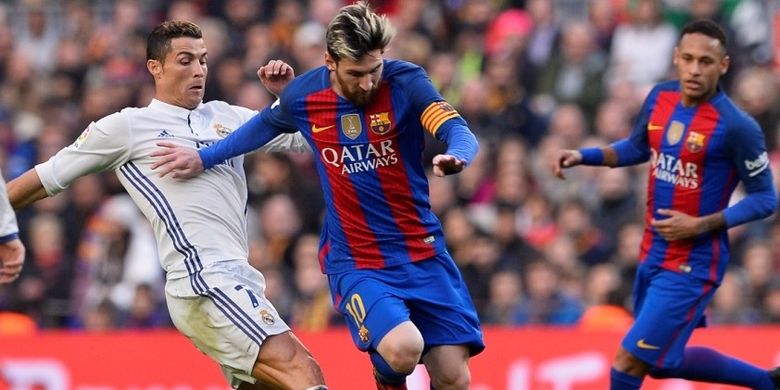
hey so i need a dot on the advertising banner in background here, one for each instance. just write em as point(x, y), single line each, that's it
point(515, 359)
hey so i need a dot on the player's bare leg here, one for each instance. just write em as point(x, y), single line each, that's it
point(448, 367)
point(629, 364)
point(397, 355)
point(284, 363)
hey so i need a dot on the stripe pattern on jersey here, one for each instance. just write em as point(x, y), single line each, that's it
point(395, 183)
point(369, 208)
point(222, 301)
point(344, 226)
point(664, 108)
point(689, 202)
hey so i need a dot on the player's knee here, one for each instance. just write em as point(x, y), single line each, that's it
point(451, 379)
point(285, 353)
point(402, 348)
point(402, 356)
point(627, 363)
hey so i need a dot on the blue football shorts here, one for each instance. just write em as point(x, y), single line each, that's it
point(668, 306)
point(430, 293)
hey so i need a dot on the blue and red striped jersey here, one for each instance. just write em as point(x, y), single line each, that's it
point(369, 160)
point(697, 156)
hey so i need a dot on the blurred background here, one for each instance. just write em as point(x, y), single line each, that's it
point(529, 76)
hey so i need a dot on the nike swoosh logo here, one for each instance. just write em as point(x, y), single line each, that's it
point(652, 127)
point(315, 129)
point(642, 344)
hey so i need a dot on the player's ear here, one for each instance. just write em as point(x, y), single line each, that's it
point(724, 64)
point(674, 57)
point(154, 67)
point(330, 63)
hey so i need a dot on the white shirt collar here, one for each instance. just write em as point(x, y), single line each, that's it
point(178, 111)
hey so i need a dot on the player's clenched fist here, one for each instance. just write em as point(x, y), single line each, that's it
point(565, 159)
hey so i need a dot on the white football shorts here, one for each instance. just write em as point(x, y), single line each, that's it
point(229, 319)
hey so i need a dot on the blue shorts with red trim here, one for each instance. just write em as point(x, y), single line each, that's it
point(429, 293)
point(668, 306)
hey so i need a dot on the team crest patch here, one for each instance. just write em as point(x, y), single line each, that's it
point(363, 333)
point(380, 123)
point(82, 137)
point(351, 126)
point(267, 317)
point(221, 130)
point(675, 132)
point(695, 142)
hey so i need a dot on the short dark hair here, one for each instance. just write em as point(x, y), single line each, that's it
point(159, 41)
point(706, 27)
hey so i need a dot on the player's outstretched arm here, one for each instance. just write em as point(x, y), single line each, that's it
point(26, 189)
point(275, 75)
point(565, 158)
point(179, 161)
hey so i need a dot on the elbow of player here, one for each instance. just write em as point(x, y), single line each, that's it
point(770, 205)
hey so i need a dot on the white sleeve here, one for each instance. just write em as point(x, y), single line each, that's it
point(103, 145)
point(293, 142)
point(8, 224)
point(287, 143)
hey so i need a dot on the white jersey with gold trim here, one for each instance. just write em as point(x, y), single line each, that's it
point(196, 221)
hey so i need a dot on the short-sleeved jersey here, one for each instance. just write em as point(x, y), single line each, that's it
point(369, 160)
point(195, 221)
point(697, 155)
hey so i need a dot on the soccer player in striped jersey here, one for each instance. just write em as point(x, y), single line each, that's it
point(214, 296)
point(381, 245)
point(700, 146)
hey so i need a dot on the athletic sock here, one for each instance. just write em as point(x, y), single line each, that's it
point(708, 365)
point(622, 381)
point(386, 377)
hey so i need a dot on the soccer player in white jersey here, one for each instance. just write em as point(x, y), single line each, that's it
point(214, 296)
point(11, 248)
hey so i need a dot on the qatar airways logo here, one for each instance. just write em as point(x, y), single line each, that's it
point(672, 170)
point(360, 157)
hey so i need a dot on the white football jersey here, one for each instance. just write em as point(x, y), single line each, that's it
point(196, 221)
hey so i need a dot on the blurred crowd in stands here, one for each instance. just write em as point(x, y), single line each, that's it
point(529, 76)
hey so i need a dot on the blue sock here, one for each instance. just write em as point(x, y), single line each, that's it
point(622, 381)
point(707, 365)
point(386, 374)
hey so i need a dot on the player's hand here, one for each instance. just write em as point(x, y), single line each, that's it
point(445, 164)
point(565, 158)
point(275, 75)
point(11, 260)
point(181, 162)
point(678, 226)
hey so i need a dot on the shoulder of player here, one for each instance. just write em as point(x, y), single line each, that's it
point(117, 121)
point(400, 69)
point(733, 117)
point(309, 82)
point(666, 86)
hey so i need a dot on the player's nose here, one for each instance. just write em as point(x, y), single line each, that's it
point(366, 83)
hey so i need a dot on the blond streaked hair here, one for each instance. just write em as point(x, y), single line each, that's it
point(357, 30)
